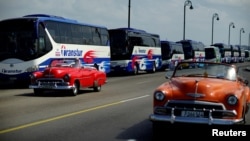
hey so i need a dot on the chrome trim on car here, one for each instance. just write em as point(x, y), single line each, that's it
point(195, 95)
point(51, 83)
point(209, 120)
point(212, 113)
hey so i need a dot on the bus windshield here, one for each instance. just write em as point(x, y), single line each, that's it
point(210, 53)
point(193, 49)
point(21, 39)
point(17, 39)
point(118, 45)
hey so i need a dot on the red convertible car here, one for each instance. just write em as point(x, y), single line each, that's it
point(68, 75)
point(211, 94)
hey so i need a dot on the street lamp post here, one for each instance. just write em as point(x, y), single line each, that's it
point(249, 40)
point(241, 30)
point(231, 24)
point(215, 15)
point(129, 2)
point(187, 3)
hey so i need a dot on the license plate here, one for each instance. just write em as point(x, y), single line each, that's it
point(13, 78)
point(47, 86)
point(192, 114)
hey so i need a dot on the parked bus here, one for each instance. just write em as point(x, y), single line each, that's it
point(172, 53)
point(134, 50)
point(29, 43)
point(212, 54)
point(235, 54)
point(226, 52)
point(241, 50)
point(247, 55)
point(193, 51)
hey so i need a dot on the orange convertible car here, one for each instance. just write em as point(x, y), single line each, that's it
point(212, 94)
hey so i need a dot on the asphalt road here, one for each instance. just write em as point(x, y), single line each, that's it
point(118, 113)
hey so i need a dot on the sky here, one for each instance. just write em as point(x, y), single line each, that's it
point(163, 17)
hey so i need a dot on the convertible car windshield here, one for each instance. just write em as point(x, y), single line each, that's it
point(206, 69)
point(66, 63)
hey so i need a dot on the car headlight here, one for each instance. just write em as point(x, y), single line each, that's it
point(32, 76)
point(159, 95)
point(66, 78)
point(232, 100)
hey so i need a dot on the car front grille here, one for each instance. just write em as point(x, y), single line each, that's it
point(207, 107)
point(50, 81)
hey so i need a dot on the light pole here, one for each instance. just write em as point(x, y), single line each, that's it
point(241, 30)
point(231, 24)
point(215, 15)
point(249, 40)
point(129, 13)
point(187, 3)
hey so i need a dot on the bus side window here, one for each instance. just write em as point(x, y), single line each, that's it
point(96, 36)
point(104, 37)
point(41, 44)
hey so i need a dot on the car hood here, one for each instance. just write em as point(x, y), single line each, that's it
point(57, 72)
point(201, 88)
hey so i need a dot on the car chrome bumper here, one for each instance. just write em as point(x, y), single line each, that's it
point(210, 120)
point(52, 87)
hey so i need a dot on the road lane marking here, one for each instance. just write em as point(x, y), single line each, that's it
point(134, 98)
point(68, 115)
point(143, 82)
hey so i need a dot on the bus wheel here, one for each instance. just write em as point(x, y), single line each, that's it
point(154, 69)
point(136, 69)
point(96, 66)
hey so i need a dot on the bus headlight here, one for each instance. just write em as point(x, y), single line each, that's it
point(32, 76)
point(32, 69)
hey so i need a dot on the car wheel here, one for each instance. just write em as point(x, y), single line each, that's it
point(75, 89)
point(96, 87)
point(38, 91)
point(244, 115)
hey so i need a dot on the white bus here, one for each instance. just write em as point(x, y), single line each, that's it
point(212, 54)
point(193, 51)
point(172, 53)
point(226, 52)
point(29, 43)
point(134, 50)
